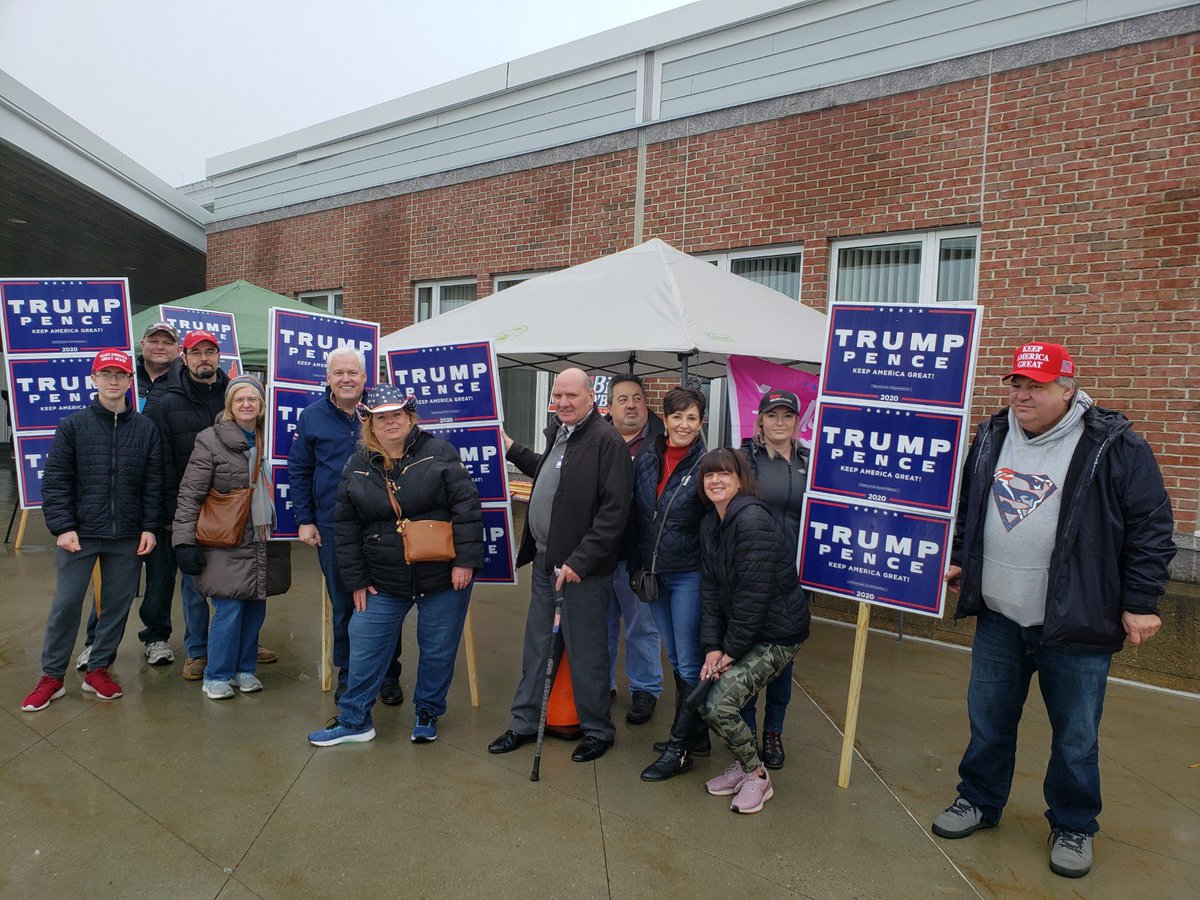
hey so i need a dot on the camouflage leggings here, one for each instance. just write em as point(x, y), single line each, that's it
point(722, 708)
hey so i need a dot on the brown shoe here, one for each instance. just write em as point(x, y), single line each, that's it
point(193, 668)
point(266, 657)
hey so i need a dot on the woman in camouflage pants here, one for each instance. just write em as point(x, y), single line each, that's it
point(754, 616)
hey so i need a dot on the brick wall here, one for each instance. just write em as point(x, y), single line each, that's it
point(1084, 176)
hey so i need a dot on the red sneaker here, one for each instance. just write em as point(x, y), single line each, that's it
point(48, 688)
point(100, 683)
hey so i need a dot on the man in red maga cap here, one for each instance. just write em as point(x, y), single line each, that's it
point(1061, 549)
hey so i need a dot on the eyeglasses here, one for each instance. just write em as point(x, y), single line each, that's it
point(111, 377)
point(206, 354)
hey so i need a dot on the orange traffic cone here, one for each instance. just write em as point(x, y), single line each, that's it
point(562, 719)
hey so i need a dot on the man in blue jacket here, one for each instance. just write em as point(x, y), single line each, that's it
point(326, 435)
point(1061, 549)
point(102, 500)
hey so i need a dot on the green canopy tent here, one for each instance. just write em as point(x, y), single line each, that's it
point(249, 304)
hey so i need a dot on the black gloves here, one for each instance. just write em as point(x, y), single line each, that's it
point(190, 559)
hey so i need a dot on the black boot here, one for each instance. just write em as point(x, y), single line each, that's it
point(676, 755)
point(699, 743)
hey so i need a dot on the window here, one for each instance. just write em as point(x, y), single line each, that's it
point(325, 301)
point(436, 297)
point(935, 267)
point(524, 392)
point(775, 267)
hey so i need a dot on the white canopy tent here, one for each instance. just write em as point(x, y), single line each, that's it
point(651, 309)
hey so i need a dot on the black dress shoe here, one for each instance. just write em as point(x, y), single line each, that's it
point(642, 708)
point(510, 741)
point(391, 693)
point(591, 748)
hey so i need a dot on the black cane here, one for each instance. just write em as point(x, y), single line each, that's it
point(537, 752)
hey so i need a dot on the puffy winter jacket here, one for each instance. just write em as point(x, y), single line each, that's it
point(325, 438)
point(430, 482)
point(181, 410)
point(147, 385)
point(591, 504)
point(1114, 538)
point(254, 569)
point(678, 549)
point(781, 484)
point(748, 588)
point(629, 540)
point(104, 475)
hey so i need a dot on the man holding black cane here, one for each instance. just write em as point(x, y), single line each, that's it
point(582, 486)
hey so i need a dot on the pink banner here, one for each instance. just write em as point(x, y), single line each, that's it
point(751, 377)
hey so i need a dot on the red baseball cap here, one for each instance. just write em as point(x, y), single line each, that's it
point(198, 337)
point(113, 359)
point(1042, 362)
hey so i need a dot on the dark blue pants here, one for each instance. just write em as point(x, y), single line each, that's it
point(1003, 659)
point(342, 603)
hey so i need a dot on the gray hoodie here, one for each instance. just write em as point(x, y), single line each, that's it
point(1022, 517)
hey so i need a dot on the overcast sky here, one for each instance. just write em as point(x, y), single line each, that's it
point(171, 83)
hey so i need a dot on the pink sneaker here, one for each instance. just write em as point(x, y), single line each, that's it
point(100, 683)
point(727, 782)
point(48, 688)
point(753, 793)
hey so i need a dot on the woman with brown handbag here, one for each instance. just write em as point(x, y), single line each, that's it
point(228, 464)
point(409, 533)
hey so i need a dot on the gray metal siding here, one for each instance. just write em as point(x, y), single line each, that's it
point(546, 118)
point(801, 48)
point(854, 45)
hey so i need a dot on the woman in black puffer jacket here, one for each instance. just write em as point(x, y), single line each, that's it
point(754, 616)
point(425, 478)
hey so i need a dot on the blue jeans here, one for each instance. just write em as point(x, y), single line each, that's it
point(1004, 657)
point(643, 655)
point(195, 618)
point(779, 695)
point(373, 635)
point(677, 615)
point(233, 638)
point(341, 601)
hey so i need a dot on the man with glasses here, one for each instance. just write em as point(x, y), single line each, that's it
point(188, 404)
point(102, 500)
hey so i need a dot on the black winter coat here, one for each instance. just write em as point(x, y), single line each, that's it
point(678, 548)
point(181, 410)
point(781, 484)
point(1113, 543)
point(629, 540)
point(430, 482)
point(104, 475)
point(748, 588)
point(148, 385)
point(591, 505)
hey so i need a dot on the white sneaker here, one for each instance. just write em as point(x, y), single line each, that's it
point(217, 690)
point(246, 682)
point(158, 653)
point(82, 660)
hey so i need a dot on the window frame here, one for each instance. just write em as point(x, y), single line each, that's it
point(541, 398)
point(436, 286)
point(930, 242)
point(724, 259)
point(335, 300)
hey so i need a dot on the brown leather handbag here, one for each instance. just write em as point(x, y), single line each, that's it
point(425, 540)
point(222, 519)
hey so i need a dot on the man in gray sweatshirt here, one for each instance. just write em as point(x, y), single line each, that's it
point(1061, 549)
